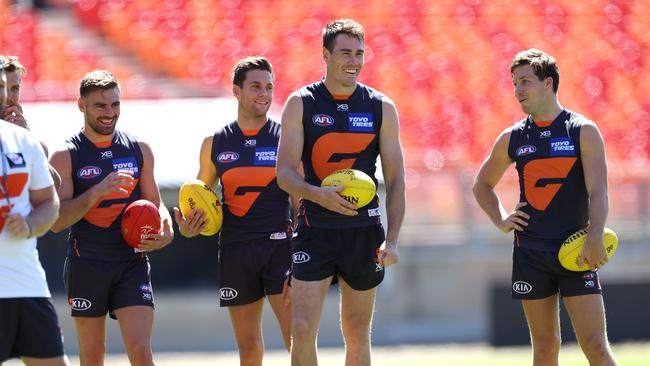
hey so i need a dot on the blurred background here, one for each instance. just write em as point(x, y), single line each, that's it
point(445, 63)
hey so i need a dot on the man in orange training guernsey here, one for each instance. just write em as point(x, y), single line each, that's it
point(254, 244)
point(29, 327)
point(333, 124)
point(102, 171)
point(560, 158)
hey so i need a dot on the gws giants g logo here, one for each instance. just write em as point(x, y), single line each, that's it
point(300, 257)
point(80, 304)
point(322, 120)
point(89, 172)
point(522, 287)
point(228, 157)
point(227, 293)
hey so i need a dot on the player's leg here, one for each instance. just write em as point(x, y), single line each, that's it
point(278, 267)
point(53, 361)
point(543, 317)
point(247, 326)
point(306, 310)
point(136, 323)
point(356, 318)
point(283, 315)
point(91, 337)
point(587, 315)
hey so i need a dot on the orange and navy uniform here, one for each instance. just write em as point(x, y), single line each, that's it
point(97, 235)
point(255, 206)
point(551, 179)
point(339, 134)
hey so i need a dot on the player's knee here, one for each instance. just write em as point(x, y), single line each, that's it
point(303, 329)
point(547, 344)
point(251, 349)
point(594, 346)
point(140, 348)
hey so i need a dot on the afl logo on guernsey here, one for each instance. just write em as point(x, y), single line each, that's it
point(526, 150)
point(322, 120)
point(89, 172)
point(228, 157)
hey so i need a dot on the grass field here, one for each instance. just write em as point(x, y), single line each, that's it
point(628, 354)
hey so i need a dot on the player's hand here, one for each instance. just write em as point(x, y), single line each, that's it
point(388, 254)
point(115, 182)
point(17, 226)
point(14, 114)
point(158, 241)
point(329, 198)
point(593, 252)
point(193, 224)
point(517, 219)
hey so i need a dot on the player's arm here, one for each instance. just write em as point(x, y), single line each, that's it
point(594, 164)
point(488, 176)
point(72, 208)
point(392, 164)
point(197, 219)
point(289, 157)
point(149, 191)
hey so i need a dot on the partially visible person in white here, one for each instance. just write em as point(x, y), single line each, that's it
point(29, 206)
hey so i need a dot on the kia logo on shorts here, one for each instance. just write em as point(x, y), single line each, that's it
point(89, 172)
point(300, 257)
point(80, 304)
point(522, 287)
point(227, 293)
point(322, 120)
point(228, 157)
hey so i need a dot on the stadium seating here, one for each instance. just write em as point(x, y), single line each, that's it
point(445, 63)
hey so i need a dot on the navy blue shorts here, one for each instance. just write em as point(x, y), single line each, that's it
point(350, 254)
point(538, 274)
point(252, 269)
point(29, 328)
point(96, 287)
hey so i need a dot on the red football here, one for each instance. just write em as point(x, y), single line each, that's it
point(140, 219)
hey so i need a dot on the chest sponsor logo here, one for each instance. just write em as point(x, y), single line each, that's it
point(227, 157)
point(545, 134)
point(126, 164)
point(300, 257)
point(250, 142)
point(562, 146)
point(89, 172)
point(522, 287)
point(80, 304)
point(227, 293)
point(322, 120)
point(108, 154)
point(526, 150)
point(342, 107)
point(15, 160)
point(266, 156)
point(360, 122)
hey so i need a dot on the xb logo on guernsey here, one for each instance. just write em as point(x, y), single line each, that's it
point(227, 157)
point(89, 172)
point(322, 120)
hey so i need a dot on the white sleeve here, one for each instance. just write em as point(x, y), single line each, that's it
point(40, 172)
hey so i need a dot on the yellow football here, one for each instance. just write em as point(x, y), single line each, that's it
point(572, 247)
point(359, 187)
point(196, 194)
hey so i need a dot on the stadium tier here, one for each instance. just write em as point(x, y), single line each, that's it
point(445, 63)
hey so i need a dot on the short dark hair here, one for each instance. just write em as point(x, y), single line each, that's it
point(542, 63)
point(247, 64)
point(12, 64)
point(341, 26)
point(97, 79)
